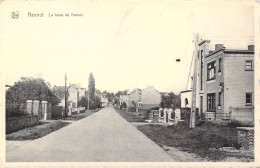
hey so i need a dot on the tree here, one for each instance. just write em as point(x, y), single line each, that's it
point(171, 101)
point(91, 91)
point(98, 102)
point(27, 89)
point(83, 102)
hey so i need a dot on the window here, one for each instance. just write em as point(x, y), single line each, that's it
point(249, 98)
point(219, 64)
point(211, 71)
point(249, 65)
point(211, 102)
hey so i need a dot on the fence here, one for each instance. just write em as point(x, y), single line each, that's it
point(242, 115)
point(185, 113)
point(17, 123)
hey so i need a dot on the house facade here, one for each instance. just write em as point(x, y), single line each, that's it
point(186, 97)
point(104, 100)
point(134, 96)
point(225, 79)
point(123, 99)
point(150, 98)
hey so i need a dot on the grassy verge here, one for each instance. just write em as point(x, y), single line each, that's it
point(37, 131)
point(82, 115)
point(206, 139)
point(131, 116)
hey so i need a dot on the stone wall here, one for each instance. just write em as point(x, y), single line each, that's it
point(246, 137)
point(17, 123)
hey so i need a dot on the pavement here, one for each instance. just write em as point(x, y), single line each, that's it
point(102, 137)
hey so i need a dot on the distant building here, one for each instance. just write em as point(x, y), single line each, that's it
point(150, 98)
point(123, 99)
point(186, 97)
point(134, 96)
point(75, 94)
point(104, 100)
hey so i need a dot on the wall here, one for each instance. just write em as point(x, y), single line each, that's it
point(82, 93)
point(150, 98)
point(133, 97)
point(242, 115)
point(246, 137)
point(213, 86)
point(237, 81)
point(73, 95)
point(17, 123)
point(187, 95)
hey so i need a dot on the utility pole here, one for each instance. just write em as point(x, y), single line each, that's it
point(194, 84)
point(88, 99)
point(66, 95)
point(137, 95)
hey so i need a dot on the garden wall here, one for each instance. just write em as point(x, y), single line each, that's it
point(244, 116)
point(17, 123)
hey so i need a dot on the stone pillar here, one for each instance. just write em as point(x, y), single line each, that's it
point(177, 115)
point(165, 115)
point(160, 116)
point(170, 114)
point(29, 106)
point(36, 107)
point(44, 110)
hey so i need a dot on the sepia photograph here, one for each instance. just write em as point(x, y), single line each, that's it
point(129, 81)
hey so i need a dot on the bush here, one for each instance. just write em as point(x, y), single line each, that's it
point(124, 105)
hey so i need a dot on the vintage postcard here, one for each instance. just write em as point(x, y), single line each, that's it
point(129, 83)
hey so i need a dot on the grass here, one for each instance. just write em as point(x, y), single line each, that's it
point(206, 139)
point(80, 116)
point(36, 132)
point(131, 116)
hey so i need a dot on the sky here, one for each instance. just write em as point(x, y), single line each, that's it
point(124, 44)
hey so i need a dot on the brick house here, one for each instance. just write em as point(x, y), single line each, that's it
point(225, 79)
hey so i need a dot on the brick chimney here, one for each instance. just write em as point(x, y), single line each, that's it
point(251, 47)
point(218, 46)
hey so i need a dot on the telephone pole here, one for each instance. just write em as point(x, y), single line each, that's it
point(137, 95)
point(194, 83)
point(66, 95)
point(88, 99)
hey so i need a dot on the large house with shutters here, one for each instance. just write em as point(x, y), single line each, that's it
point(225, 78)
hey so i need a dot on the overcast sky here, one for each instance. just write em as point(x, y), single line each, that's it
point(123, 44)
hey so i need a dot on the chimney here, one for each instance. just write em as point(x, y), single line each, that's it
point(251, 47)
point(218, 46)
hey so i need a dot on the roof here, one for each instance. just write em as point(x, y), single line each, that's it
point(203, 42)
point(186, 91)
point(139, 90)
point(231, 51)
point(75, 86)
point(59, 91)
point(152, 88)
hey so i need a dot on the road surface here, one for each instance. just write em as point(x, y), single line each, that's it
point(102, 137)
